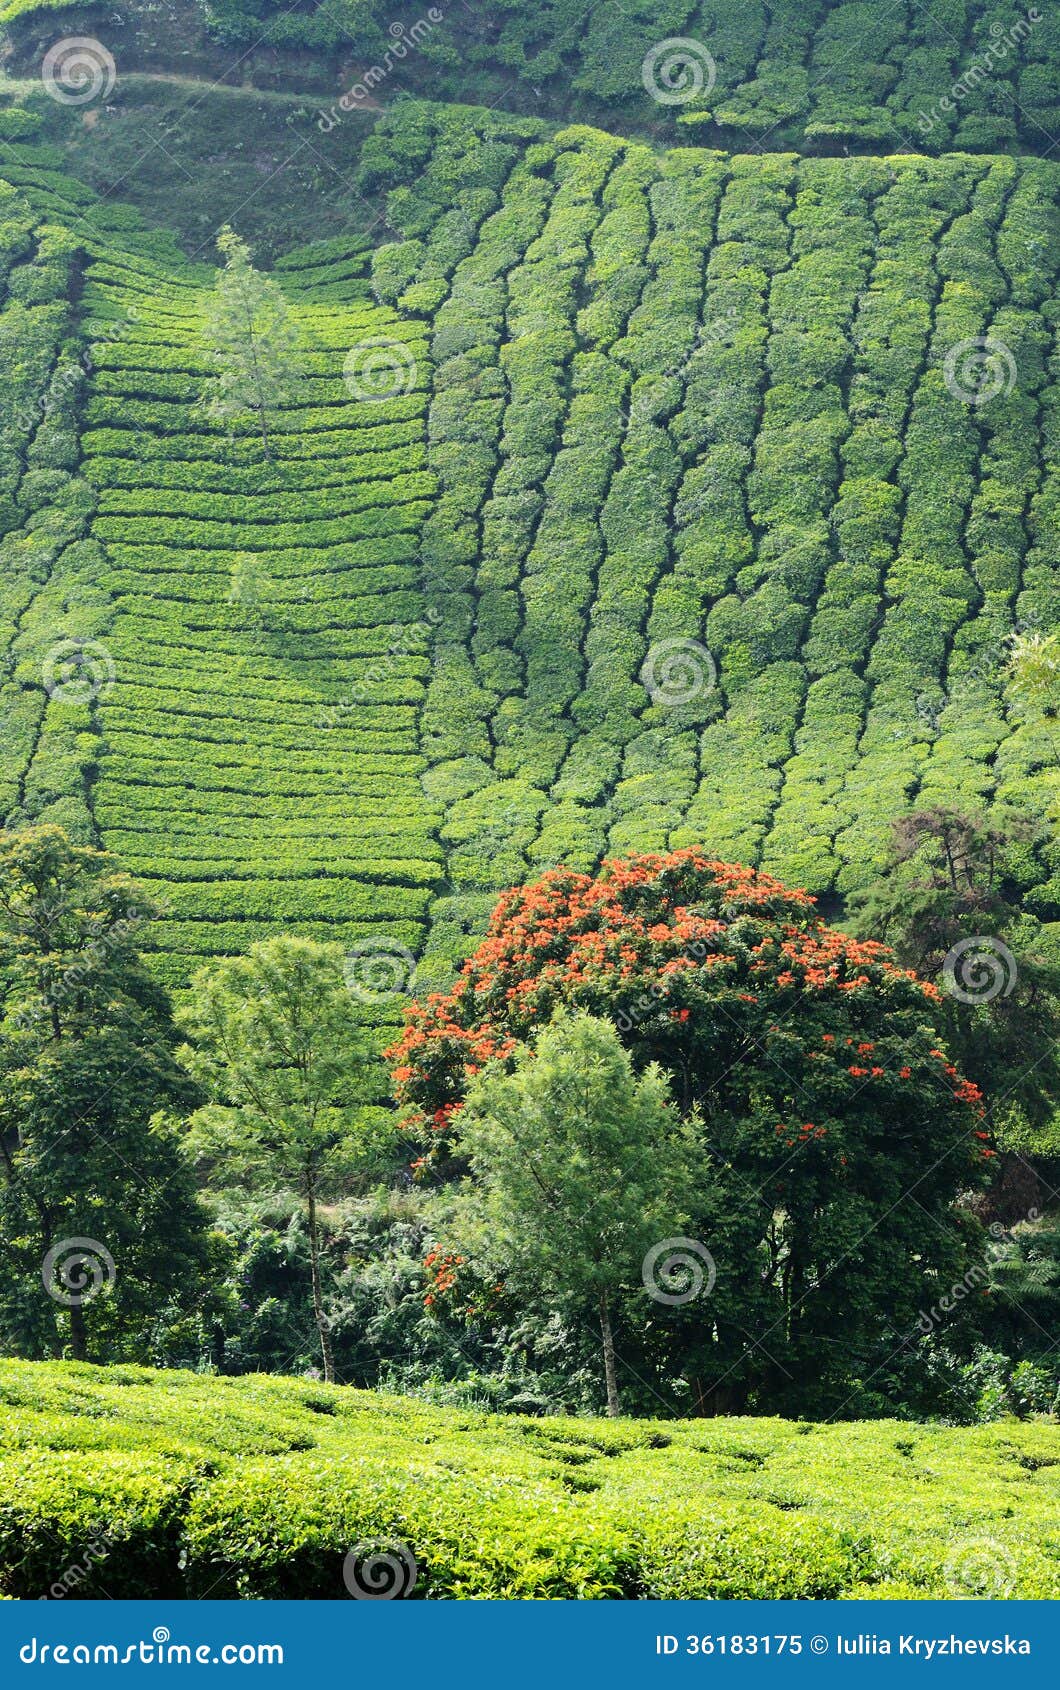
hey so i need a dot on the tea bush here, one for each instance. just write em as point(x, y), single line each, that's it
point(261, 1487)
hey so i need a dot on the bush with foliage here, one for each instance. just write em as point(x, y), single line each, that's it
point(263, 1488)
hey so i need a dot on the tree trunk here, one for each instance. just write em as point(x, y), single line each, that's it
point(264, 422)
point(318, 1302)
point(78, 1334)
point(613, 1406)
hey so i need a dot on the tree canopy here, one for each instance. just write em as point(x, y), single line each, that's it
point(100, 1229)
point(580, 1165)
point(837, 1131)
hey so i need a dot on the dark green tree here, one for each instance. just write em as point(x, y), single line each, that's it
point(950, 904)
point(278, 1047)
point(100, 1228)
point(580, 1167)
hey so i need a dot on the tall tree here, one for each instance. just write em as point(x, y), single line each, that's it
point(581, 1166)
point(255, 346)
point(827, 1098)
point(99, 1223)
point(950, 902)
point(277, 1045)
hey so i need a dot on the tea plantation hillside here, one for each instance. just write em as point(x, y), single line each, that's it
point(241, 733)
point(628, 500)
point(697, 413)
point(818, 75)
point(185, 1486)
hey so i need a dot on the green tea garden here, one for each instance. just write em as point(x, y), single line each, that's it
point(529, 882)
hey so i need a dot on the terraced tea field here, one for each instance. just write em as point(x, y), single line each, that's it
point(728, 542)
point(244, 719)
point(263, 761)
point(820, 75)
point(697, 501)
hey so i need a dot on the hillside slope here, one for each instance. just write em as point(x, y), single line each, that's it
point(242, 725)
point(826, 76)
point(675, 516)
point(257, 1487)
point(729, 542)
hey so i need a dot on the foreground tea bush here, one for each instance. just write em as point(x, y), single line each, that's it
point(263, 1487)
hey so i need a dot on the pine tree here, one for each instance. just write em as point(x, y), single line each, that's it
point(254, 343)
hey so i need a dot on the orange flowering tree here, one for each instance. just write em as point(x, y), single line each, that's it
point(836, 1132)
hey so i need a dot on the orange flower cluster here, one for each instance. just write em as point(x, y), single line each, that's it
point(675, 943)
point(806, 1133)
point(817, 957)
point(655, 917)
point(441, 1268)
